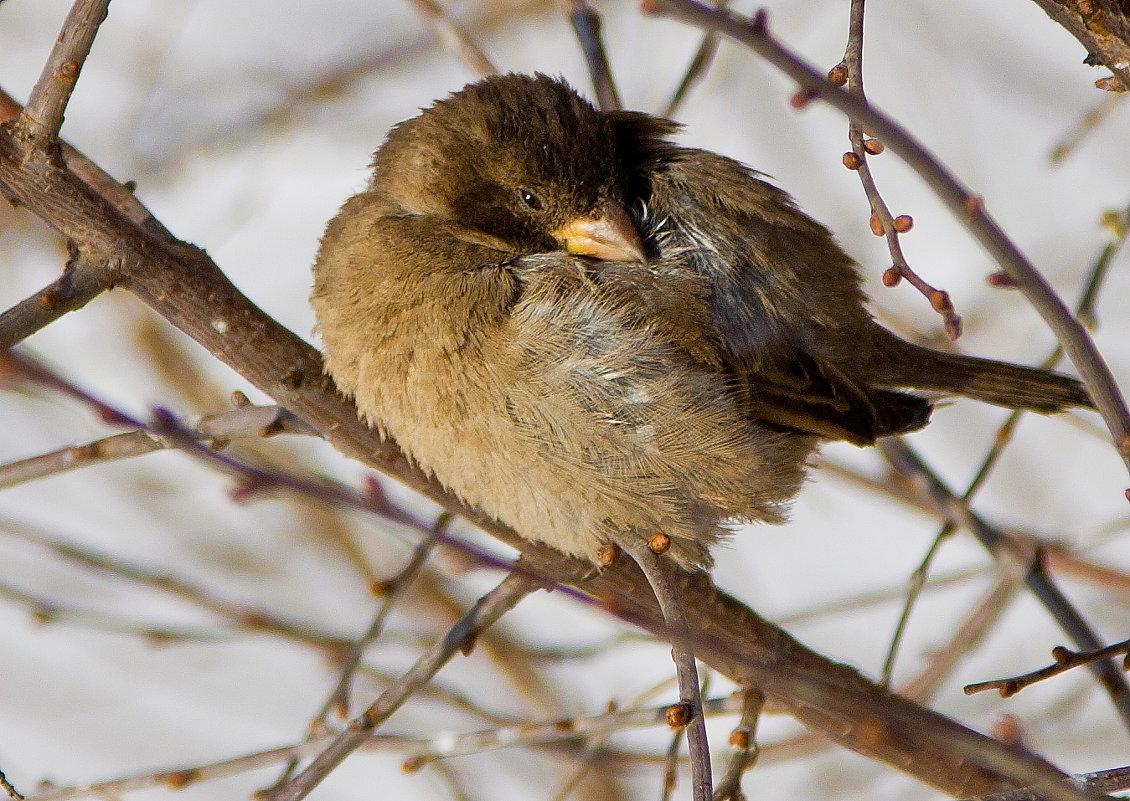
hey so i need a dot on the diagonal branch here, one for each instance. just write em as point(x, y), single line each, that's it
point(462, 635)
point(966, 206)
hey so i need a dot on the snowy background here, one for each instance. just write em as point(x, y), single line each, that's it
point(246, 124)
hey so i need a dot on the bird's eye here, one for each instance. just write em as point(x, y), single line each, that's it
point(528, 198)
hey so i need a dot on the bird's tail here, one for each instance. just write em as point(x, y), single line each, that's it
point(899, 363)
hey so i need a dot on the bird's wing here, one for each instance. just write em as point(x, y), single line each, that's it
point(813, 395)
point(785, 301)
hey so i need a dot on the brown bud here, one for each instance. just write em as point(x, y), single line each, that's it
point(608, 554)
point(852, 161)
point(1008, 730)
point(1061, 655)
point(876, 225)
point(659, 543)
point(892, 276)
point(838, 75)
point(974, 205)
point(903, 223)
point(178, 779)
point(678, 715)
point(1001, 280)
point(940, 300)
point(873, 146)
point(739, 738)
point(412, 764)
point(801, 98)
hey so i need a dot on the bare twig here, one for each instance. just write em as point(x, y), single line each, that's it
point(247, 421)
point(697, 69)
point(461, 637)
point(457, 41)
point(1103, 781)
point(1065, 660)
point(82, 280)
point(41, 120)
point(658, 571)
point(965, 639)
point(586, 24)
point(743, 739)
point(338, 699)
point(964, 204)
point(596, 726)
point(882, 222)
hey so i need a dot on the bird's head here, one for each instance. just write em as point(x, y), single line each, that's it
point(521, 164)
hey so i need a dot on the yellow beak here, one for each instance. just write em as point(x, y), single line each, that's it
point(607, 234)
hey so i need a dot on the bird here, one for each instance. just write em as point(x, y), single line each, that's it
point(591, 333)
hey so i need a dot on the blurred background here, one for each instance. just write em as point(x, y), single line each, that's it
point(245, 125)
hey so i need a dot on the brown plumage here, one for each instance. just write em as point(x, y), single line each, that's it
point(588, 331)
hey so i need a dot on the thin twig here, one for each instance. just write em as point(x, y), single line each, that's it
point(966, 206)
point(743, 739)
point(595, 727)
point(339, 698)
point(586, 24)
point(461, 637)
point(337, 702)
point(965, 638)
point(1065, 660)
point(671, 766)
point(1113, 780)
point(696, 69)
point(658, 571)
point(83, 279)
point(219, 428)
point(882, 221)
point(457, 41)
point(43, 117)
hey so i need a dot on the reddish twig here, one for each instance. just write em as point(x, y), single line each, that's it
point(1065, 660)
point(882, 222)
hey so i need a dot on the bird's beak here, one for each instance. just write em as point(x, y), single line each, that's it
point(607, 234)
